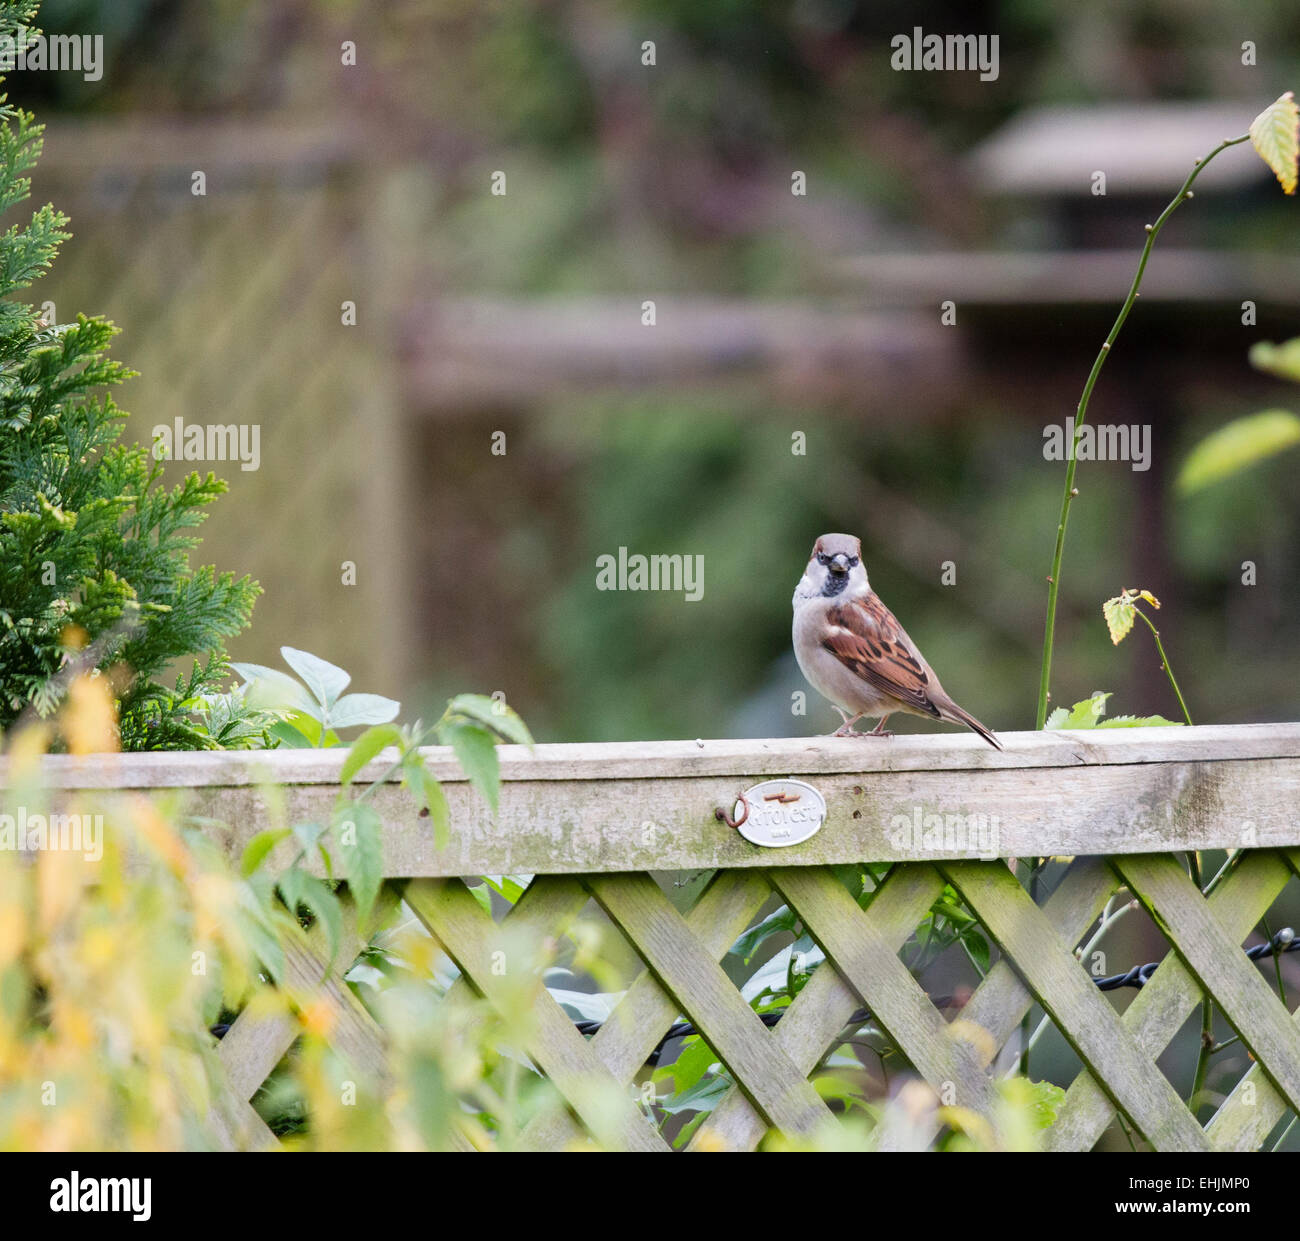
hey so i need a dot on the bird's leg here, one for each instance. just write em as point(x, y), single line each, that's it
point(846, 729)
point(879, 730)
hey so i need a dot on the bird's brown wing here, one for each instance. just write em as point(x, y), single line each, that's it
point(866, 638)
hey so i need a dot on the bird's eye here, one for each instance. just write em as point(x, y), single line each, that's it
point(853, 560)
point(823, 558)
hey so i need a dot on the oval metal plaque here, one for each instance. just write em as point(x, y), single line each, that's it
point(780, 813)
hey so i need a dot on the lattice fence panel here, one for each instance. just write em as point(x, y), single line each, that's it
point(771, 1066)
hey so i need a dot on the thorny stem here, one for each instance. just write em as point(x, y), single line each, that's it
point(1054, 582)
point(1164, 663)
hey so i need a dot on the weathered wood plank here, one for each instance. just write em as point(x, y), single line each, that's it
point(646, 1011)
point(1071, 999)
point(862, 954)
point(620, 825)
point(469, 935)
point(711, 1000)
point(650, 806)
point(1247, 1002)
point(641, 760)
point(821, 1010)
point(1160, 1008)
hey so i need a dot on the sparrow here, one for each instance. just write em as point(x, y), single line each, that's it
point(853, 651)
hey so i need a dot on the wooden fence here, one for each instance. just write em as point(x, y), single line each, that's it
point(591, 821)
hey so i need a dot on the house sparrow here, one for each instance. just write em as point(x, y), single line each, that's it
point(853, 651)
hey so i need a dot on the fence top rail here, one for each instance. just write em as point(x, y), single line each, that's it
point(947, 752)
point(582, 809)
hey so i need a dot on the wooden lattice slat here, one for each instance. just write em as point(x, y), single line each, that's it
point(1241, 994)
point(1165, 1003)
point(900, 1007)
point(467, 933)
point(1081, 1013)
point(821, 1010)
point(646, 1011)
point(710, 999)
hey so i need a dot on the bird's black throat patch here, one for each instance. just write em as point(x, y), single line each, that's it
point(834, 585)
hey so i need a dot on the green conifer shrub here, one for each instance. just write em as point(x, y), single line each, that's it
point(94, 566)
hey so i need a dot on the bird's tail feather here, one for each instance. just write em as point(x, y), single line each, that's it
point(956, 715)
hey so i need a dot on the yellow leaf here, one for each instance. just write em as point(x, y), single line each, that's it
point(1120, 614)
point(1275, 135)
point(89, 721)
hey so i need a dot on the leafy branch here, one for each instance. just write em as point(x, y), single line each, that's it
point(1275, 135)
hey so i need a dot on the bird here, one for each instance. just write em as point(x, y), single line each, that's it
point(854, 652)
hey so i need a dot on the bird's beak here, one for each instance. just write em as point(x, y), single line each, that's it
point(839, 563)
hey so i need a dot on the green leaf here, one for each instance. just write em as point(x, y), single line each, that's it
point(703, 1096)
point(1083, 714)
point(1275, 135)
point(1120, 615)
point(481, 893)
point(511, 887)
point(353, 709)
point(1239, 444)
point(358, 832)
point(366, 747)
point(259, 933)
point(259, 846)
point(324, 904)
point(297, 888)
point(496, 714)
point(435, 802)
point(326, 680)
point(783, 919)
point(291, 735)
point(476, 751)
point(1281, 360)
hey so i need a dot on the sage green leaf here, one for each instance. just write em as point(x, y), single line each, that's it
point(496, 714)
point(1275, 135)
point(326, 680)
point(354, 709)
point(271, 688)
point(1237, 445)
point(369, 745)
point(358, 833)
point(476, 751)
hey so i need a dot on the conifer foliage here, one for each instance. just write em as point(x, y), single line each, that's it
point(94, 567)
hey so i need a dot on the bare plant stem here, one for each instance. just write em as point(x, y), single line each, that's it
point(1081, 413)
point(1164, 663)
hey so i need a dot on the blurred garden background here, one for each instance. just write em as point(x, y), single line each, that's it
point(775, 314)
